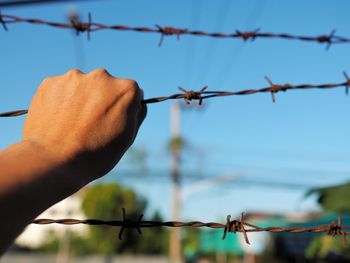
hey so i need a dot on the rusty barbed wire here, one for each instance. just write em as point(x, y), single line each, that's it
point(13, 113)
point(88, 27)
point(189, 95)
point(231, 226)
point(15, 3)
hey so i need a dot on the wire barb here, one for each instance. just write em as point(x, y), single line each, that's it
point(168, 31)
point(233, 226)
point(329, 39)
point(128, 223)
point(247, 34)
point(80, 26)
point(193, 95)
point(335, 229)
point(2, 22)
point(274, 88)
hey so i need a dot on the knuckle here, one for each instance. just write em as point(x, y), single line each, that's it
point(100, 71)
point(132, 90)
point(46, 81)
point(73, 72)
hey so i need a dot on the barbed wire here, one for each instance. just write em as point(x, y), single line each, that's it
point(231, 226)
point(202, 94)
point(90, 26)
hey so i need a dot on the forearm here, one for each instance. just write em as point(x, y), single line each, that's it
point(77, 128)
point(31, 180)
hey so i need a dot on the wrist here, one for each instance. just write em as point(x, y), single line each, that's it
point(32, 178)
point(54, 166)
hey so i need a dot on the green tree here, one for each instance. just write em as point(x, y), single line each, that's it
point(105, 201)
point(190, 243)
point(154, 240)
point(334, 198)
point(322, 247)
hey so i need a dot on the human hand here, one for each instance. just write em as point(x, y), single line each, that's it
point(86, 121)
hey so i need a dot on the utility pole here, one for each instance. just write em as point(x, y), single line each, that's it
point(63, 254)
point(175, 148)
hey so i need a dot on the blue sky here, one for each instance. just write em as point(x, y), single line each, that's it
point(302, 138)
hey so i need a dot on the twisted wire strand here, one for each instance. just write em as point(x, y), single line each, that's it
point(202, 94)
point(231, 226)
point(90, 26)
point(151, 224)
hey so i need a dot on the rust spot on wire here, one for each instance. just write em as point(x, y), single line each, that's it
point(80, 26)
point(193, 95)
point(248, 34)
point(335, 229)
point(274, 88)
point(234, 226)
point(168, 31)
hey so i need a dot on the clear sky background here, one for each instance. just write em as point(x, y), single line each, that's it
point(278, 150)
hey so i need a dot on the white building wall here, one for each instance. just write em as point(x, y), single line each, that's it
point(35, 235)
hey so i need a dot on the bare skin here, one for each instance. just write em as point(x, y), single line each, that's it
point(77, 129)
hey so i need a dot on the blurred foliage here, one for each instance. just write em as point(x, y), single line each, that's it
point(52, 244)
point(327, 248)
point(176, 144)
point(105, 202)
point(334, 198)
point(154, 240)
point(77, 243)
point(216, 257)
point(190, 243)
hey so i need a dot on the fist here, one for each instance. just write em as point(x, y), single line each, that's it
point(87, 121)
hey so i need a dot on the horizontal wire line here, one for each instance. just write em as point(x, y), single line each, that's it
point(231, 226)
point(90, 26)
point(202, 94)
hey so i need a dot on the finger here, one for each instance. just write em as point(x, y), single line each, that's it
point(74, 72)
point(101, 72)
